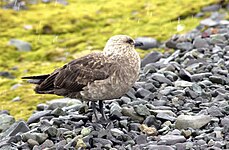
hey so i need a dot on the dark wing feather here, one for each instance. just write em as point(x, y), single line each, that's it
point(76, 75)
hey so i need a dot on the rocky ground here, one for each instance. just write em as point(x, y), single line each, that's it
point(181, 101)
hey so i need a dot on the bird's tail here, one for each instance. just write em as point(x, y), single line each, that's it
point(36, 79)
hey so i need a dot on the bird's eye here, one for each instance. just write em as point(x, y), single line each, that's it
point(130, 41)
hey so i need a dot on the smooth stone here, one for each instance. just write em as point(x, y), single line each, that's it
point(214, 7)
point(53, 104)
point(47, 144)
point(131, 113)
point(141, 110)
point(141, 139)
point(200, 43)
point(217, 79)
point(5, 122)
point(185, 75)
point(41, 107)
point(35, 117)
point(164, 116)
point(161, 78)
point(172, 139)
point(6, 74)
point(150, 68)
point(151, 58)
point(85, 131)
point(16, 99)
point(17, 127)
point(32, 142)
point(102, 141)
point(51, 131)
point(163, 111)
point(116, 132)
point(150, 87)
point(39, 137)
point(215, 111)
point(159, 147)
point(225, 121)
point(148, 42)
point(183, 83)
point(141, 92)
point(209, 22)
point(58, 112)
point(152, 121)
point(184, 46)
point(20, 45)
point(195, 122)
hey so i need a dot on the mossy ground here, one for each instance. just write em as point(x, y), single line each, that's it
point(61, 33)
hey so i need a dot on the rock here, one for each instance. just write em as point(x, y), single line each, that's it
point(6, 74)
point(58, 112)
point(102, 141)
point(39, 137)
point(209, 22)
point(5, 122)
point(16, 99)
point(116, 132)
point(165, 116)
point(214, 7)
point(32, 142)
point(195, 122)
point(80, 144)
point(186, 46)
point(215, 111)
point(149, 68)
point(151, 120)
point(217, 79)
point(148, 42)
point(53, 104)
point(17, 127)
point(151, 58)
point(148, 130)
point(183, 84)
point(159, 147)
point(15, 86)
point(161, 78)
point(47, 144)
point(141, 92)
point(20, 45)
point(141, 139)
point(85, 131)
point(142, 110)
point(131, 113)
point(225, 121)
point(35, 117)
point(172, 139)
point(51, 131)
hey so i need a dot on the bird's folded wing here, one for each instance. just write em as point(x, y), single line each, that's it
point(78, 73)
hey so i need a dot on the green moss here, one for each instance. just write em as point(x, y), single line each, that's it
point(62, 33)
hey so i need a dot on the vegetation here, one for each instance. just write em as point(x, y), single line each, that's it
point(60, 33)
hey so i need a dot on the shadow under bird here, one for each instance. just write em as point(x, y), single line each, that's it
point(95, 77)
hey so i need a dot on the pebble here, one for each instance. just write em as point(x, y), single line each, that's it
point(195, 122)
point(20, 45)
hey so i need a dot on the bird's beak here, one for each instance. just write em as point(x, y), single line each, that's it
point(137, 44)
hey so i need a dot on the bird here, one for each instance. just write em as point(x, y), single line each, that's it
point(98, 76)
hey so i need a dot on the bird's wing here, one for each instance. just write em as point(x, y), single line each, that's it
point(78, 73)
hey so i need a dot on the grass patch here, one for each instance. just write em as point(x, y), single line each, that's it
point(62, 33)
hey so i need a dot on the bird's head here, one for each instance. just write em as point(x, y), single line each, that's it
point(120, 44)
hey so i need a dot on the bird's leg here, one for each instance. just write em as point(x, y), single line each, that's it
point(93, 105)
point(102, 110)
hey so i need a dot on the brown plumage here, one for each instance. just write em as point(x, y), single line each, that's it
point(97, 76)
